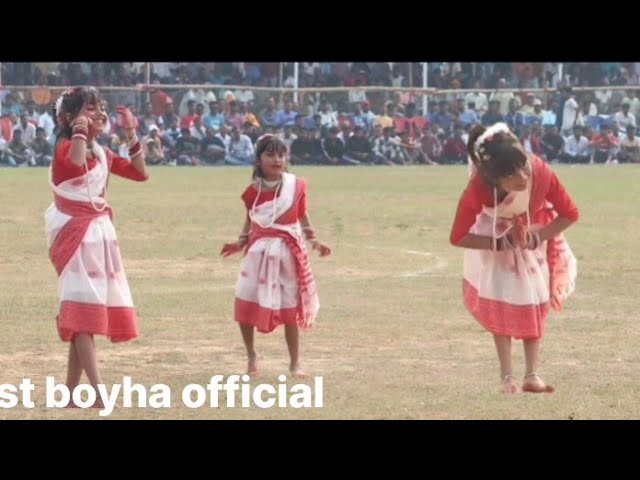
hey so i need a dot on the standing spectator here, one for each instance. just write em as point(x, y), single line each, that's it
point(504, 97)
point(479, 99)
point(569, 113)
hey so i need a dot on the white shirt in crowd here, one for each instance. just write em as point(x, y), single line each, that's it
point(46, 121)
point(244, 96)
point(28, 132)
point(328, 119)
point(243, 148)
point(357, 96)
point(634, 105)
point(480, 99)
point(575, 147)
point(569, 113)
point(603, 96)
point(624, 120)
point(504, 97)
point(310, 67)
point(161, 69)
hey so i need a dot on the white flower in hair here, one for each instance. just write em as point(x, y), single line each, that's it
point(499, 127)
point(58, 104)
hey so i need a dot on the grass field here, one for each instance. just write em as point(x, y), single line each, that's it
point(393, 339)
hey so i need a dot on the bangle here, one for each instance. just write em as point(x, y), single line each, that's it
point(81, 136)
point(309, 233)
point(133, 140)
point(533, 240)
point(502, 244)
point(135, 150)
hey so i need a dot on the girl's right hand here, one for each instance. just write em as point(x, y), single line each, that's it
point(231, 248)
point(518, 236)
point(82, 121)
point(323, 249)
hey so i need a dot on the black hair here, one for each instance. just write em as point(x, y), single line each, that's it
point(267, 143)
point(500, 155)
point(72, 102)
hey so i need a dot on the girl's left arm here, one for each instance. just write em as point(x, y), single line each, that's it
point(136, 152)
point(310, 234)
point(563, 204)
point(129, 169)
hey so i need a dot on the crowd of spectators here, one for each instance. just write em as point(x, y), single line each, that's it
point(207, 127)
point(314, 74)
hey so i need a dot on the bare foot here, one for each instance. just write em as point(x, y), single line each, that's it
point(509, 385)
point(297, 372)
point(252, 365)
point(97, 404)
point(534, 384)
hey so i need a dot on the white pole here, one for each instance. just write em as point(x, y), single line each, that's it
point(559, 72)
point(295, 82)
point(425, 82)
point(280, 83)
point(147, 79)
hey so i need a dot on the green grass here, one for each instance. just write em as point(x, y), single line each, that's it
point(393, 339)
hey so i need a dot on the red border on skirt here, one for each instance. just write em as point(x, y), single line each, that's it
point(502, 318)
point(116, 323)
point(264, 319)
